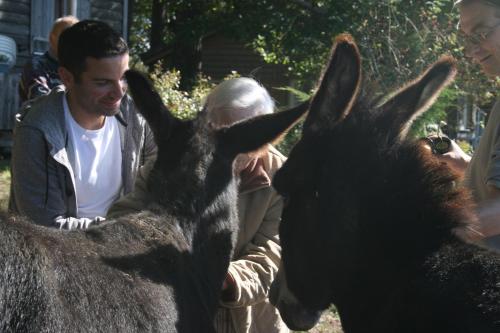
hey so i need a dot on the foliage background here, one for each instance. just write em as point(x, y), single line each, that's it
point(398, 39)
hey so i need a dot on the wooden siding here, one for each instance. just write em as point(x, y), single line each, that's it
point(10, 100)
point(42, 18)
point(221, 55)
point(108, 11)
point(15, 23)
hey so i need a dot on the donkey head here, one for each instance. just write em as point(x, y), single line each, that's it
point(324, 182)
point(193, 170)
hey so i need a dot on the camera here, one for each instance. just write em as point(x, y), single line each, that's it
point(439, 144)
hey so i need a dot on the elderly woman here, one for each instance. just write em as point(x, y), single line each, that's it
point(244, 303)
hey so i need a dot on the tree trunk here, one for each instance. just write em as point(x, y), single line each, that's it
point(158, 18)
point(185, 47)
point(186, 57)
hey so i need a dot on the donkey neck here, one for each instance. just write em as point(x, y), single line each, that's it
point(189, 190)
point(375, 298)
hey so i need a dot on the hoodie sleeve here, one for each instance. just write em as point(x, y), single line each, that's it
point(136, 200)
point(35, 191)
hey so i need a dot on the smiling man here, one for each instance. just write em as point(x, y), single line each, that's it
point(76, 151)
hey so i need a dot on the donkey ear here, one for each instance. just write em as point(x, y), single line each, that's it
point(408, 103)
point(252, 134)
point(150, 105)
point(338, 87)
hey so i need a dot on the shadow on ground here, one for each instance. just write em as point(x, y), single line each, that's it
point(329, 323)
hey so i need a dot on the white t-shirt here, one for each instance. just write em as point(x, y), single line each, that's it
point(97, 165)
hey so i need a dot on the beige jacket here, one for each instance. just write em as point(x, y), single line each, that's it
point(256, 256)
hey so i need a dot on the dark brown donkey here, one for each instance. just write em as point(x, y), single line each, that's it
point(157, 271)
point(371, 218)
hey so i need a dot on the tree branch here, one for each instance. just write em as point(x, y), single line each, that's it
point(311, 7)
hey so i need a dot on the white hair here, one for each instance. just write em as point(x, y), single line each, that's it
point(237, 99)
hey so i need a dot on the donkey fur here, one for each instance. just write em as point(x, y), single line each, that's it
point(371, 219)
point(155, 271)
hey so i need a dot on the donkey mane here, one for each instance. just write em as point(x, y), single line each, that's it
point(402, 166)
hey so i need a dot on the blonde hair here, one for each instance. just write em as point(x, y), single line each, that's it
point(58, 27)
point(62, 23)
point(237, 99)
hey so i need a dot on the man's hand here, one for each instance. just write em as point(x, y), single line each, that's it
point(455, 158)
point(74, 223)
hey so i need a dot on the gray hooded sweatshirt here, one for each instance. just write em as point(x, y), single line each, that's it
point(43, 184)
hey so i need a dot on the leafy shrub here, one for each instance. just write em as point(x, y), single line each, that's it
point(181, 103)
point(293, 134)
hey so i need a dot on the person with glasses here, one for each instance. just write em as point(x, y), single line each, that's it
point(479, 27)
point(480, 31)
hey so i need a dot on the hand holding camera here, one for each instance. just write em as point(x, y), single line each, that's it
point(438, 144)
point(447, 150)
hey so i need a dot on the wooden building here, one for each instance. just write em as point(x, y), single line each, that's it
point(220, 56)
point(29, 22)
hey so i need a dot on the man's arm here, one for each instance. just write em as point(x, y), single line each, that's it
point(150, 149)
point(456, 158)
point(489, 213)
point(37, 193)
point(136, 200)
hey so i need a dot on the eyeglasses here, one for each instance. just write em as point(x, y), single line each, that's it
point(477, 37)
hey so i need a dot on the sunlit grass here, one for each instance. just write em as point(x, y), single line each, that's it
point(329, 322)
point(4, 184)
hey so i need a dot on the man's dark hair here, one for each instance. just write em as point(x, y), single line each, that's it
point(88, 38)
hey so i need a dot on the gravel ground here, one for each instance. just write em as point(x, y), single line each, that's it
point(328, 323)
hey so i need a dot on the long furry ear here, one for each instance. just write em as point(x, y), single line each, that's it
point(398, 113)
point(252, 134)
point(338, 87)
point(150, 105)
